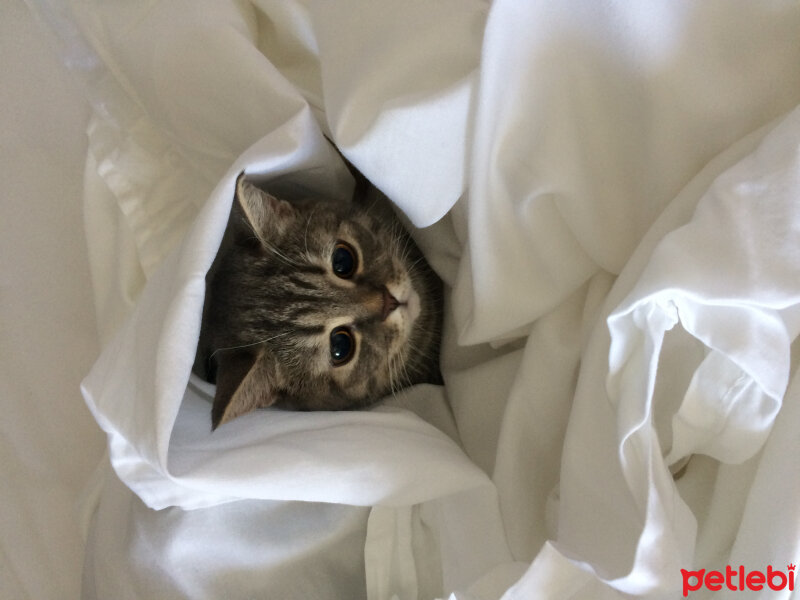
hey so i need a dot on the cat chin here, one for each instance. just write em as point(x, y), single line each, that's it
point(412, 307)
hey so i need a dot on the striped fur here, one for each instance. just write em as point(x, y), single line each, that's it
point(272, 300)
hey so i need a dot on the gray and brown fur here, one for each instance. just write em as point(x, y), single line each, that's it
point(272, 300)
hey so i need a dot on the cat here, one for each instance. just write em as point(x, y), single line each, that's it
point(316, 305)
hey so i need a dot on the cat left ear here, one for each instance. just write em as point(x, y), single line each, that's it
point(245, 382)
point(266, 215)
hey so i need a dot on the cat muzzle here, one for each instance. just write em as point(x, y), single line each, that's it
point(389, 304)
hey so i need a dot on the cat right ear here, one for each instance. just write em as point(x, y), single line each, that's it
point(245, 382)
point(266, 216)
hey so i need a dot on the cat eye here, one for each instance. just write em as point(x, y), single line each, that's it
point(343, 260)
point(343, 346)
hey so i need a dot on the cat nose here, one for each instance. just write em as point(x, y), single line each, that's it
point(389, 304)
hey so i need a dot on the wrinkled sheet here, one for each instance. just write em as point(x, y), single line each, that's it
point(610, 193)
point(49, 442)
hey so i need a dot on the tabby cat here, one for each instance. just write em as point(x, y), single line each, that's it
point(315, 305)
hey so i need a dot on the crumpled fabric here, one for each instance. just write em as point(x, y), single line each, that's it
point(608, 192)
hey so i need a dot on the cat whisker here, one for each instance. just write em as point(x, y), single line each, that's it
point(372, 206)
point(269, 246)
point(278, 254)
point(413, 265)
point(248, 345)
point(406, 376)
point(283, 257)
point(392, 389)
point(308, 223)
point(406, 245)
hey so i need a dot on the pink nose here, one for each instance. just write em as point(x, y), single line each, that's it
point(389, 304)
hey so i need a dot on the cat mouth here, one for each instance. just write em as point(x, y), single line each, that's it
point(410, 301)
point(389, 304)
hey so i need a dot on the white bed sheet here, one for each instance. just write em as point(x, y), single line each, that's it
point(49, 444)
point(618, 190)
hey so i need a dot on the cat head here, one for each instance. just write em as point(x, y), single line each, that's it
point(315, 306)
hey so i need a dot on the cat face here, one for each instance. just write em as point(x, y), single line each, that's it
point(315, 306)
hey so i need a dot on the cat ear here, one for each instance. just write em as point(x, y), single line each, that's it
point(266, 215)
point(245, 382)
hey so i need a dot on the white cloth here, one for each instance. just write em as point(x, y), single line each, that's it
point(49, 442)
point(614, 454)
point(559, 138)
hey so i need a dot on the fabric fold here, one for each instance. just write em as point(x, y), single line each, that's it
point(614, 306)
point(746, 320)
point(161, 444)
